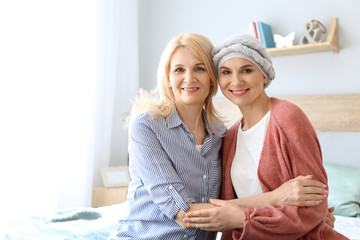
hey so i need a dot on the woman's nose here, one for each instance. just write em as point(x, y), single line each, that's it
point(190, 76)
point(237, 79)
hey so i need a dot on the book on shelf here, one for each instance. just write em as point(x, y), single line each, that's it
point(252, 28)
point(258, 30)
point(267, 37)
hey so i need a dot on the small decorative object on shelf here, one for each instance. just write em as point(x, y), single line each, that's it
point(313, 31)
point(331, 44)
point(286, 41)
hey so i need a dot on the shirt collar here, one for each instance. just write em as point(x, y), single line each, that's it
point(174, 120)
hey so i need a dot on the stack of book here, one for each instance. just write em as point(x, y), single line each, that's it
point(263, 32)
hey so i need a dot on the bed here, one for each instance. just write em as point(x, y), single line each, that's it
point(335, 117)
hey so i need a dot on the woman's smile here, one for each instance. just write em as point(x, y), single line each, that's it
point(190, 89)
point(239, 92)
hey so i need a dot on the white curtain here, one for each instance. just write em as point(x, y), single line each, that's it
point(118, 80)
point(58, 87)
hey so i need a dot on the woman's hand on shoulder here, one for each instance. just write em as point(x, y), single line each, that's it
point(301, 191)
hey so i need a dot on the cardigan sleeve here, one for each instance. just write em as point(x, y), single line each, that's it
point(291, 149)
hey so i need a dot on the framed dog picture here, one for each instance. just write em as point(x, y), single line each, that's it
point(116, 176)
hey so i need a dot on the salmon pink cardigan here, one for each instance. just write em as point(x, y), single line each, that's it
point(290, 149)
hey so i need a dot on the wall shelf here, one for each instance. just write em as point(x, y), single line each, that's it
point(331, 44)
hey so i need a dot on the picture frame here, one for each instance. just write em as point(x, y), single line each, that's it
point(116, 176)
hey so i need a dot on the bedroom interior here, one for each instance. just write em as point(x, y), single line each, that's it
point(337, 121)
point(62, 187)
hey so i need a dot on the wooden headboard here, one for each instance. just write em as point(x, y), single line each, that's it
point(339, 112)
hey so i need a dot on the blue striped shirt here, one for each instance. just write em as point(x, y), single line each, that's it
point(167, 173)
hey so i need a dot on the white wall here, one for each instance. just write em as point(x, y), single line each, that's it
point(316, 73)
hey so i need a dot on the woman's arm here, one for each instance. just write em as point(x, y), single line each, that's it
point(152, 165)
point(300, 191)
point(225, 215)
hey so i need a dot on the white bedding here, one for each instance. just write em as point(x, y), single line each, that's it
point(348, 226)
point(74, 228)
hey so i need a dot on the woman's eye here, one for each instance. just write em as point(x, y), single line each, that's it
point(225, 72)
point(178, 70)
point(247, 70)
point(200, 69)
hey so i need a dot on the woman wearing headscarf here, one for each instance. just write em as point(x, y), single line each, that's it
point(272, 143)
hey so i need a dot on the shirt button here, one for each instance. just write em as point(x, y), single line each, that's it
point(171, 187)
point(185, 236)
point(204, 177)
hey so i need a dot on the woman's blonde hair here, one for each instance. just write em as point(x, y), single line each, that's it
point(201, 47)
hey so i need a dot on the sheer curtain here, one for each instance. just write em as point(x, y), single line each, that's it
point(118, 80)
point(58, 87)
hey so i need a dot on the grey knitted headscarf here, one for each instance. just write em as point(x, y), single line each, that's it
point(247, 47)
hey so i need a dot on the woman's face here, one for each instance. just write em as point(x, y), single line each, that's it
point(241, 81)
point(188, 78)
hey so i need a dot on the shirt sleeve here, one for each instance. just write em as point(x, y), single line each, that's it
point(300, 153)
point(155, 169)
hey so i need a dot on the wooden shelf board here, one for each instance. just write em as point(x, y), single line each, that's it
point(300, 49)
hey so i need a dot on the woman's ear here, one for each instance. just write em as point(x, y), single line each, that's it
point(265, 80)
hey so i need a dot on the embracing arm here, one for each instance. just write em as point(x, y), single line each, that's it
point(228, 214)
point(301, 191)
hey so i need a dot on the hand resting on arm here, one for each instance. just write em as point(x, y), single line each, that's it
point(301, 191)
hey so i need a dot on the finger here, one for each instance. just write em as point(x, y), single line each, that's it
point(310, 203)
point(308, 194)
point(331, 209)
point(313, 197)
point(194, 225)
point(313, 183)
point(331, 217)
point(330, 221)
point(198, 213)
point(198, 220)
point(314, 190)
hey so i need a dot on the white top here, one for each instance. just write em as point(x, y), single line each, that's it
point(244, 167)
